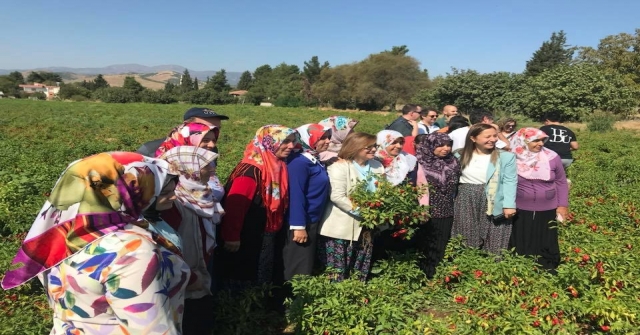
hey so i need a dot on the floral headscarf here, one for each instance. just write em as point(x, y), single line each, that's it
point(93, 197)
point(307, 137)
point(187, 162)
point(440, 171)
point(396, 168)
point(340, 127)
point(532, 165)
point(273, 184)
point(188, 133)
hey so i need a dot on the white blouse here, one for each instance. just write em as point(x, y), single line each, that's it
point(476, 171)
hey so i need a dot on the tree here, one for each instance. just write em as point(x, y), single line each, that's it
point(311, 70)
point(576, 91)
point(196, 85)
point(170, 87)
point(186, 83)
point(399, 50)
point(100, 82)
point(616, 53)
point(73, 91)
point(552, 53)
point(16, 77)
point(9, 86)
point(468, 90)
point(131, 84)
point(219, 82)
point(34, 77)
point(246, 81)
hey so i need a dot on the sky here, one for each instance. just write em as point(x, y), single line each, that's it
point(484, 35)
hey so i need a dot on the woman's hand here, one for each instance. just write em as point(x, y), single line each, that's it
point(509, 212)
point(231, 246)
point(563, 212)
point(300, 236)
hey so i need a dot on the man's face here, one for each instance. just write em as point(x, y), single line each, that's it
point(214, 121)
point(450, 111)
point(415, 115)
point(430, 118)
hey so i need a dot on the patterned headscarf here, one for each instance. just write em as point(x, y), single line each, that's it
point(274, 184)
point(396, 168)
point(93, 197)
point(439, 171)
point(532, 165)
point(340, 127)
point(193, 194)
point(188, 133)
point(307, 137)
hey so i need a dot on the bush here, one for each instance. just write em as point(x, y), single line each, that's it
point(38, 96)
point(157, 97)
point(115, 95)
point(288, 101)
point(69, 91)
point(79, 98)
point(600, 122)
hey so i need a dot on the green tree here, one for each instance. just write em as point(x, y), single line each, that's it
point(131, 84)
point(186, 83)
point(246, 81)
point(468, 90)
point(34, 77)
point(552, 53)
point(399, 50)
point(196, 85)
point(575, 91)
point(9, 86)
point(16, 77)
point(170, 87)
point(311, 70)
point(73, 91)
point(218, 82)
point(100, 82)
point(616, 53)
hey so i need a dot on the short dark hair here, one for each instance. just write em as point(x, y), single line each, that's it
point(553, 116)
point(477, 115)
point(457, 122)
point(425, 111)
point(408, 108)
point(419, 138)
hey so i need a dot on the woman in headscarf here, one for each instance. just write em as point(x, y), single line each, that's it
point(194, 216)
point(345, 246)
point(257, 190)
point(104, 268)
point(440, 170)
point(542, 198)
point(341, 127)
point(199, 135)
point(308, 196)
point(398, 165)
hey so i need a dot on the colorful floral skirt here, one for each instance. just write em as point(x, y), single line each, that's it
point(345, 258)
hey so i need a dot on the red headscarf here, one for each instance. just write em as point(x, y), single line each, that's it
point(188, 133)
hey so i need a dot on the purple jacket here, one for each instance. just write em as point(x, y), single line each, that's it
point(542, 195)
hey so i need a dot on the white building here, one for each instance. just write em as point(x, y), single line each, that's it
point(49, 91)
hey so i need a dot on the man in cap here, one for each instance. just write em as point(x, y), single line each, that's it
point(196, 114)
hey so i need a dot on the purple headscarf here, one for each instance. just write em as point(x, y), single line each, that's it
point(439, 170)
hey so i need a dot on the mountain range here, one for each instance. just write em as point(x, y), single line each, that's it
point(70, 74)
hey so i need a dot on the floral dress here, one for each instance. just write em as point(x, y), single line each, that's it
point(124, 271)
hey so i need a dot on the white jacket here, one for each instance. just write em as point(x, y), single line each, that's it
point(337, 222)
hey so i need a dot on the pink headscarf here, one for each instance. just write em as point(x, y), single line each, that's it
point(532, 165)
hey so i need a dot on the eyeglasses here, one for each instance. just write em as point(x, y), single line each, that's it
point(373, 146)
point(509, 125)
point(432, 116)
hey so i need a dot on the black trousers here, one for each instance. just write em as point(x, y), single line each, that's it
point(432, 239)
point(198, 316)
point(536, 234)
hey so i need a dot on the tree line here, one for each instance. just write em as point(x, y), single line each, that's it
point(572, 80)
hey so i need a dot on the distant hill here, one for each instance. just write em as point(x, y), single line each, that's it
point(153, 77)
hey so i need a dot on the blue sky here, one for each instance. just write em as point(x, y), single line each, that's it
point(485, 35)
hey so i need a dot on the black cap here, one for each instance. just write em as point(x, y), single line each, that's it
point(203, 112)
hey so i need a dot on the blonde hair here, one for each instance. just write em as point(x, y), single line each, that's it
point(354, 143)
point(503, 122)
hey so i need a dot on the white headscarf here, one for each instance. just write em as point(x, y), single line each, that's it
point(396, 168)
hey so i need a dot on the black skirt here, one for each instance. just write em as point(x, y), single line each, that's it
point(536, 234)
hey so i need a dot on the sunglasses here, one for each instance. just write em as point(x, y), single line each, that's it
point(373, 146)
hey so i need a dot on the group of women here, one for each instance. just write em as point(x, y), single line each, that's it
point(125, 243)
